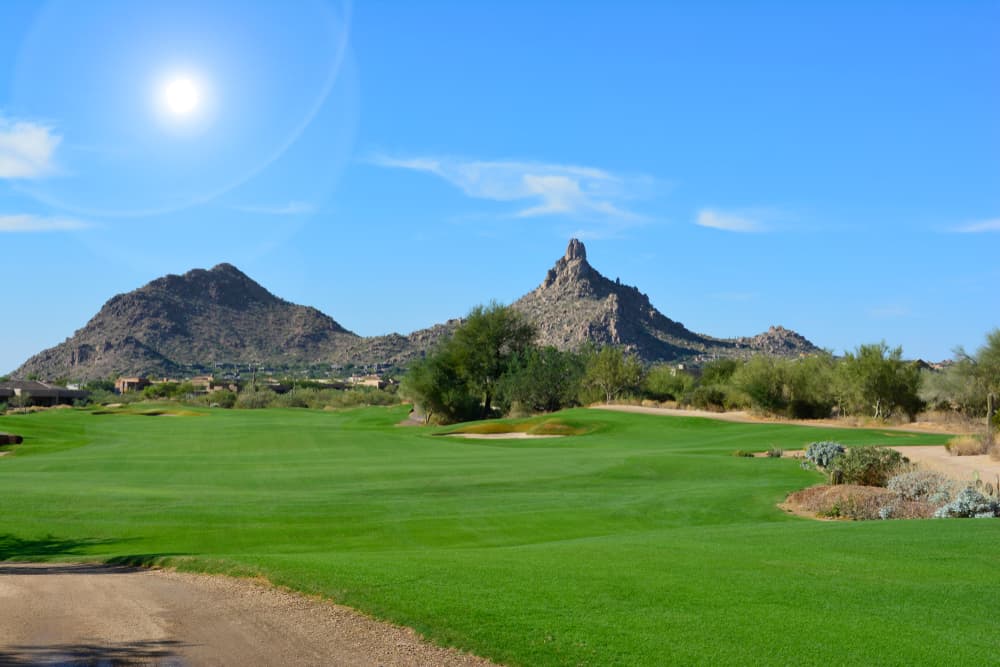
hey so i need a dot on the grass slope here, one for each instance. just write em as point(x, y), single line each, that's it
point(642, 542)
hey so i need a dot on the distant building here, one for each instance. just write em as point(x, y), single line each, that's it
point(368, 381)
point(39, 393)
point(202, 382)
point(125, 385)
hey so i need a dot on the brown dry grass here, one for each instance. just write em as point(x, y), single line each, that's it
point(849, 501)
point(966, 445)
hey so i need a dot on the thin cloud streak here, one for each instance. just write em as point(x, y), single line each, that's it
point(980, 227)
point(729, 222)
point(26, 149)
point(553, 189)
point(291, 208)
point(23, 223)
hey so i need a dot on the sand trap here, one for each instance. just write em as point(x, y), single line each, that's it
point(500, 436)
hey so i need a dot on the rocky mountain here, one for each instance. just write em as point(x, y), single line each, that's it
point(199, 318)
point(576, 304)
point(204, 319)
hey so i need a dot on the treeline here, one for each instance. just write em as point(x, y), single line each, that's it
point(304, 394)
point(491, 367)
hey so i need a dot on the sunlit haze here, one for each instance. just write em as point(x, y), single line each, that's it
point(181, 96)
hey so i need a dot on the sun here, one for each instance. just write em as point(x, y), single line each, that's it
point(181, 96)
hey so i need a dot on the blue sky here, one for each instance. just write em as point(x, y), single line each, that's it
point(831, 167)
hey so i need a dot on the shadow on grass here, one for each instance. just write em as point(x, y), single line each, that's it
point(13, 547)
point(160, 652)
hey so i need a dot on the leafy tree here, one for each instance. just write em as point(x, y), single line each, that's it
point(437, 387)
point(763, 379)
point(719, 371)
point(543, 380)
point(982, 374)
point(484, 345)
point(809, 386)
point(663, 382)
point(875, 377)
point(612, 372)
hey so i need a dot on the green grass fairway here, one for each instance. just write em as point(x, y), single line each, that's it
point(642, 542)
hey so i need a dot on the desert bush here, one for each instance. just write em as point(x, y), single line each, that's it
point(923, 485)
point(966, 445)
point(821, 453)
point(255, 400)
point(707, 398)
point(743, 452)
point(860, 503)
point(775, 453)
point(970, 503)
point(222, 397)
point(866, 466)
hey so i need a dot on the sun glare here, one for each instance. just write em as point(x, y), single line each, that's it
point(181, 96)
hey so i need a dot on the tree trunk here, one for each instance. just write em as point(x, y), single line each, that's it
point(487, 406)
point(990, 411)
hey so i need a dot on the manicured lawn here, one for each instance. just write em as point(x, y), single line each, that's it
point(641, 542)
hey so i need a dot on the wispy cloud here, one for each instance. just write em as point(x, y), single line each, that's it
point(979, 227)
point(32, 223)
point(291, 208)
point(26, 149)
point(736, 221)
point(545, 189)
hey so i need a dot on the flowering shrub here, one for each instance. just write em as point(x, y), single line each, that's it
point(821, 453)
point(970, 503)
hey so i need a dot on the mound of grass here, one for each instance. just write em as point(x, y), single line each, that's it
point(642, 543)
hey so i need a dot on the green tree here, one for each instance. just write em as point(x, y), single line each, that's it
point(763, 379)
point(543, 380)
point(437, 388)
point(613, 373)
point(982, 374)
point(875, 377)
point(664, 382)
point(485, 343)
point(809, 386)
point(718, 372)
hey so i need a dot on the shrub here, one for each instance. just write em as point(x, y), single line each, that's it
point(775, 453)
point(707, 398)
point(255, 400)
point(866, 466)
point(923, 485)
point(966, 445)
point(969, 503)
point(223, 398)
point(821, 453)
point(743, 452)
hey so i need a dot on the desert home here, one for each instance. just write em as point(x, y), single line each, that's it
point(31, 392)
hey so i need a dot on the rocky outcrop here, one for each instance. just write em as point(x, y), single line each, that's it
point(575, 305)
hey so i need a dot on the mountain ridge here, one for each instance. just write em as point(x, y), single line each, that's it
point(204, 318)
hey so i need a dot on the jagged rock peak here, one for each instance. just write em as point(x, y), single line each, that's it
point(576, 250)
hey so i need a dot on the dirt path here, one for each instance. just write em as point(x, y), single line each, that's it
point(962, 468)
point(744, 417)
point(91, 614)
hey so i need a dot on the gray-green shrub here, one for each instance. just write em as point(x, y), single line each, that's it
point(821, 453)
